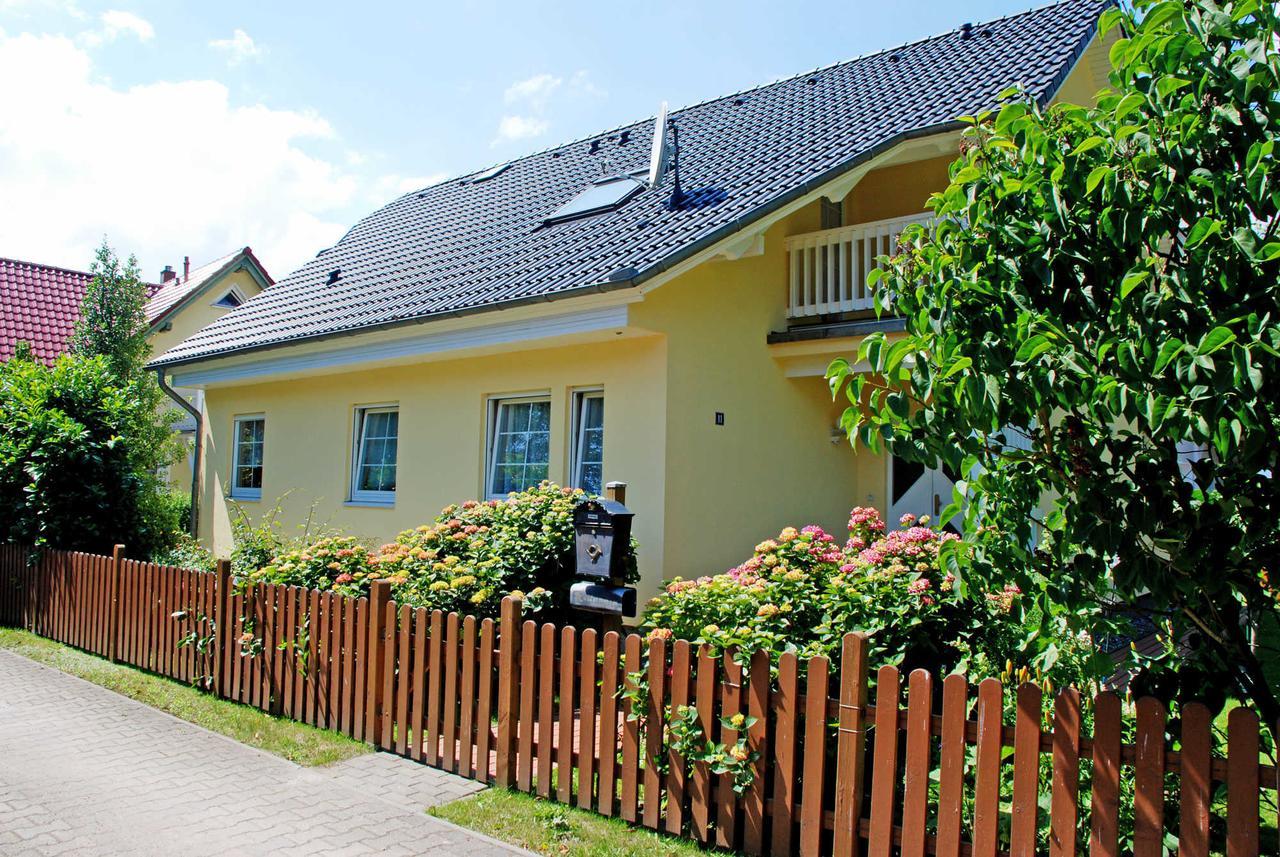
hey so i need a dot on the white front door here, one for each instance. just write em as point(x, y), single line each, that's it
point(917, 490)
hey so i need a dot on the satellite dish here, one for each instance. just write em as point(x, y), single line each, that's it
point(658, 156)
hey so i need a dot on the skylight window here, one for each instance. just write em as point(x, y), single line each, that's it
point(604, 195)
point(489, 173)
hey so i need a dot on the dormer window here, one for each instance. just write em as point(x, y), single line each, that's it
point(230, 300)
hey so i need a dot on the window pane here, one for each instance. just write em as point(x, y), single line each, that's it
point(591, 478)
point(376, 468)
point(522, 438)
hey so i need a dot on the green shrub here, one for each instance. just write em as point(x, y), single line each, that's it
point(186, 552)
point(80, 450)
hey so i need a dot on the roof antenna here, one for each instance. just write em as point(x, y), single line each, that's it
point(658, 155)
point(677, 195)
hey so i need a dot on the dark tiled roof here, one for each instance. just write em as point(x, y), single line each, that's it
point(462, 247)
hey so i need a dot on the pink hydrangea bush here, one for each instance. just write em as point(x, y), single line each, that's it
point(473, 555)
point(803, 591)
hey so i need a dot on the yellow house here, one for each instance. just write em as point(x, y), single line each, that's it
point(184, 304)
point(656, 305)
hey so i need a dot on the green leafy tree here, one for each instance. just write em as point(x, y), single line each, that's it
point(1096, 304)
point(113, 320)
point(79, 458)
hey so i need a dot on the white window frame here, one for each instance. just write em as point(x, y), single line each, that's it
point(238, 492)
point(358, 495)
point(580, 399)
point(491, 435)
point(239, 296)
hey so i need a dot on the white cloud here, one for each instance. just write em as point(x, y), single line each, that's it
point(532, 96)
point(115, 24)
point(164, 169)
point(520, 128)
point(533, 91)
point(239, 48)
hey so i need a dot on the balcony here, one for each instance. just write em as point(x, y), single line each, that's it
point(829, 269)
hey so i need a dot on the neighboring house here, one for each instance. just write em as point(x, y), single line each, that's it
point(559, 317)
point(40, 304)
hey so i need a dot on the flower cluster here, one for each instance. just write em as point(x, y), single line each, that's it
point(803, 591)
point(339, 563)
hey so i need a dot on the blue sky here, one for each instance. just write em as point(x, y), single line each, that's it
point(194, 128)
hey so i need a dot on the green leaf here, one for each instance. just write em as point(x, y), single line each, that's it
point(1170, 348)
point(1088, 144)
point(1269, 252)
point(1204, 227)
point(1213, 340)
point(1033, 348)
point(1127, 105)
point(958, 366)
point(1131, 281)
point(1096, 175)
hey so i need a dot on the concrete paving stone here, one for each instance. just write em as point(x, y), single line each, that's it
point(87, 771)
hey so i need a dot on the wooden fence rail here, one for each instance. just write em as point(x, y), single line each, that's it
point(830, 764)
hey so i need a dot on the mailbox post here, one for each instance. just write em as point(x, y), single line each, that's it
point(602, 537)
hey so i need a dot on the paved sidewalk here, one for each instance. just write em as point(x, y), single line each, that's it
point(87, 771)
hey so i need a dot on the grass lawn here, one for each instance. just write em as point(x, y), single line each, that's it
point(552, 828)
point(296, 742)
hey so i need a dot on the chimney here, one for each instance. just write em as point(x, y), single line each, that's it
point(167, 275)
point(186, 268)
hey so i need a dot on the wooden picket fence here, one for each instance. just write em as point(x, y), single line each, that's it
point(577, 717)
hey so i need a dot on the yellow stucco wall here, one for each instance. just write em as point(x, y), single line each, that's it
point(442, 436)
point(772, 463)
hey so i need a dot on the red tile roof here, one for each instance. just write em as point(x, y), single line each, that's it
point(40, 303)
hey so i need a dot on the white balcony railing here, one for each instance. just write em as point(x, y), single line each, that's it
point(829, 268)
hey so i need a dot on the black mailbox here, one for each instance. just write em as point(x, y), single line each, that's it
point(603, 598)
point(602, 530)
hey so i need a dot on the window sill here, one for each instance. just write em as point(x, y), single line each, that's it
point(245, 498)
point(370, 504)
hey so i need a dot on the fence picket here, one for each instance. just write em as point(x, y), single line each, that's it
point(631, 734)
point(546, 705)
point(1104, 813)
point(784, 764)
point(677, 775)
point(564, 734)
point(815, 756)
point(884, 762)
point(951, 765)
point(1243, 783)
point(1064, 807)
point(528, 701)
point(1026, 770)
point(435, 677)
point(653, 779)
point(1196, 782)
point(606, 787)
point(587, 720)
point(730, 707)
point(484, 701)
point(1148, 780)
point(753, 802)
point(467, 699)
point(449, 723)
point(404, 677)
point(700, 790)
point(416, 717)
point(915, 788)
point(986, 799)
